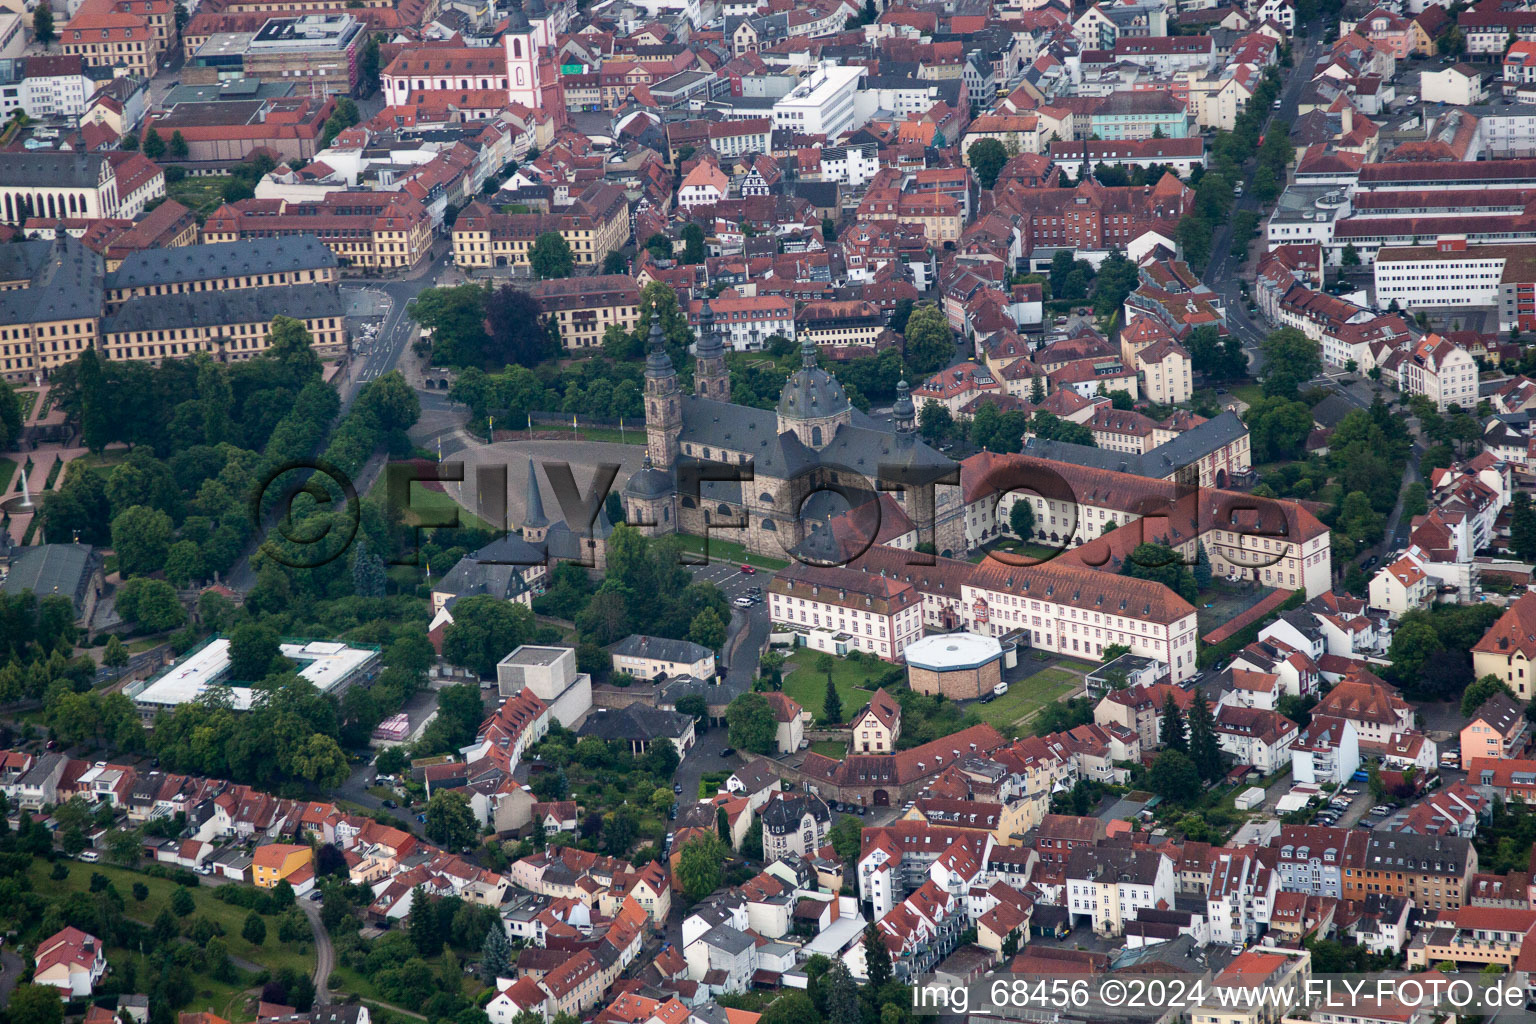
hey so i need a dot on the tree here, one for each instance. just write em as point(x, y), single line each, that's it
point(1351, 256)
point(1202, 567)
point(934, 421)
point(254, 930)
point(1479, 692)
point(791, 1007)
point(832, 704)
point(877, 958)
point(253, 652)
point(930, 342)
point(520, 335)
point(182, 903)
point(1204, 750)
point(659, 246)
point(751, 724)
point(700, 866)
point(1413, 642)
point(116, 655)
point(987, 157)
point(153, 145)
point(1173, 777)
point(1021, 519)
point(484, 629)
point(695, 705)
point(42, 24)
point(368, 73)
point(828, 229)
point(177, 149)
point(707, 629)
point(1172, 731)
point(450, 822)
point(424, 923)
point(35, 1004)
point(1290, 360)
point(551, 256)
point(495, 955)
point(693, 243)
point(124, 846)
point(1522, 526)
point(141, 536)
point(845, 838)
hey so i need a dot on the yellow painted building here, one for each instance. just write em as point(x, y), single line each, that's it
point(275, 862)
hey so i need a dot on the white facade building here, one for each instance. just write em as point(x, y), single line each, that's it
point(822, 104)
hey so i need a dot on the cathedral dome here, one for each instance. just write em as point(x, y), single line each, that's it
point(649, 482)
point(811, 393)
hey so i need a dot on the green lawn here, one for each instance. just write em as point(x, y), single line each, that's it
point(99, 460)
point(809, 687)
point(1031, 550)
point(202, 195)
point(7, 471)
point(273, 955)
point(722, 550)
point(1249, 393)
point(1027, 696)
point(423, 502)
point(830, 748)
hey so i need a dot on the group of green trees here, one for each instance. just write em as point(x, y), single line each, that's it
point(626, 797)
point(1157, 561)
point(1429, 657)
point(646, 589)
point(1191, 755)
point(473, 325)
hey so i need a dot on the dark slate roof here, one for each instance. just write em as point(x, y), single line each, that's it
point(635, 722)
point(64, 280)
point(242, 306)
point(496, 569)
point(49, 569)
point(860, 445)
point(222, 259)
point(661, 648)
point(784, 815)
point(728, 939)
point(1159, 463)
point(52, 169)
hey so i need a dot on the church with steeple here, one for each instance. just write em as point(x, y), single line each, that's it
point(811, 457)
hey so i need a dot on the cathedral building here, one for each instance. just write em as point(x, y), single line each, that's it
point(533, 70)
point(794, 458)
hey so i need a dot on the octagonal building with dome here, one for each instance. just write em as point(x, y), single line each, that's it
point(806, 457)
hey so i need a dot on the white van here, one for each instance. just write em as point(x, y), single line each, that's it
point(90, 856)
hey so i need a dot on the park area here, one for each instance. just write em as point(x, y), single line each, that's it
point(1026, 697)
point(854, 682)
point(230, 994)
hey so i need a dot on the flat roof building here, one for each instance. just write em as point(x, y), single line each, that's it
point(331, 666)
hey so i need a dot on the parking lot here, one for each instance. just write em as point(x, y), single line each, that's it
point(731, 580)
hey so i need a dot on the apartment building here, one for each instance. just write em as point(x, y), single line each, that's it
point(1312, 858)
point(1106, 886)
point(594, 225)
point(747, 322)
point(583, 308)
point(119, 34)
point(838, 610)
point(1506, 650)
point(1497, 730)
point(1441, 371)
point(377, 231)
point(823, 102)
point(1433, 871)
point(840, 323)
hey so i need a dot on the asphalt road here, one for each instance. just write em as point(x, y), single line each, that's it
point(325, 953)
point(11, 968)
point(1222, 272)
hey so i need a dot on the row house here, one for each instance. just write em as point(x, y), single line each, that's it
point(1106, 886)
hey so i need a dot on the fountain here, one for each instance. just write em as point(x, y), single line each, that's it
point(22, 504)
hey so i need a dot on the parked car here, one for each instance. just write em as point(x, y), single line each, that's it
point(743, 602)
point(677, 788)
point(1000, 689)
point(421, 818)
point(316, 897)
point(748, 570)
point(90, 856)
point(727, 751)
